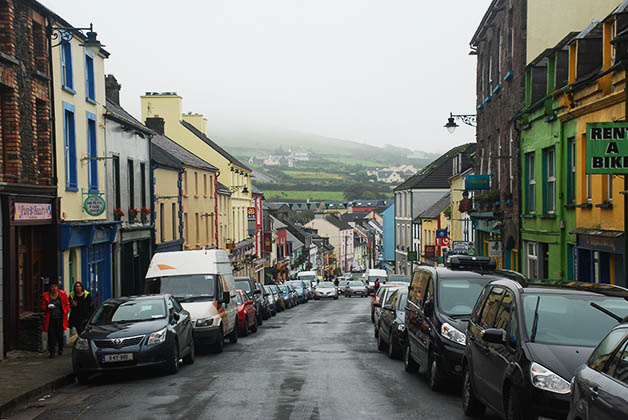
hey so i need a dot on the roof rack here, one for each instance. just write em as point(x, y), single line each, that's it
point(470, 262)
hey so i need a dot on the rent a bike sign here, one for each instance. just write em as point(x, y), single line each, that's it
point(607, 148)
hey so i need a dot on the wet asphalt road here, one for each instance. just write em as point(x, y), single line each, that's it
point(316, 361)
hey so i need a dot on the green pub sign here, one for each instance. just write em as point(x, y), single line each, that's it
point(607, 148)
point(412, 256)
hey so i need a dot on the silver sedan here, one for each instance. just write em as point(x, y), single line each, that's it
point(326, 289)
point(356, 288)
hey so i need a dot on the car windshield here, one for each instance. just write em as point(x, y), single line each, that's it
point(296, 283)
point(283, 288)
point(194, 287)
point(326, 285)
point(130, 311)
point(398, 278)
point(243, 284)
point(344, 282)
point(239, 299)
point(570, 319)
point(456, 297)
point(310, 277)
point(356, 283)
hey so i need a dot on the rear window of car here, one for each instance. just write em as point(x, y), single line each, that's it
point(356, 283)
point(243, 285)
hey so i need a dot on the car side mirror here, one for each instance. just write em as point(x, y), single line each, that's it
point(494, 335)
point(388, 308)
point(176, 317)
point(377, 305)
point(257, 292)
point(372, 294)
point(226, 297)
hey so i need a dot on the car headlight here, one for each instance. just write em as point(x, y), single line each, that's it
point(452, 334)
point(547, 380)
point(205, 322)
point(157, 337)
point(401, 327)
point(82, 344)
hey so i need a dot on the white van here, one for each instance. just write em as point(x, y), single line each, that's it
point(373, 274)
point(310, 277)
point(202, 282)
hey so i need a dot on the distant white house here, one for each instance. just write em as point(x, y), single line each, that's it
point(393, 174)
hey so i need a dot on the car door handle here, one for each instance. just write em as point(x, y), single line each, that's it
point(593, 391)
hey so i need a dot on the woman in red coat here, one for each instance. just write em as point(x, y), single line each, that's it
point(56, 305)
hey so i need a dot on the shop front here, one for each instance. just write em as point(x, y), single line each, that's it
point(30, 261)
point(600, 256)
point(132, 254)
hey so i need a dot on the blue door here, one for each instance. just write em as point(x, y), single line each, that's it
point(97, 271)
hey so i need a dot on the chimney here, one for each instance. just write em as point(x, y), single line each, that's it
point(112, 89)
point(156, 124)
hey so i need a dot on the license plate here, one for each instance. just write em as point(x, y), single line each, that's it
point(120, 357)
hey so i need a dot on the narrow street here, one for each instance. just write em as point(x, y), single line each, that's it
point(316, 361)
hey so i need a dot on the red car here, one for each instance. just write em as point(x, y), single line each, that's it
point(247, 315)
point(376, 297)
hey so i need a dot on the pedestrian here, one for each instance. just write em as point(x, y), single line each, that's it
point(82, 307)
point(56, 306)
point(376, 285)
point(336, 282)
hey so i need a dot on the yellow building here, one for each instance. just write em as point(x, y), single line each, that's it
point(79, 98)
point(461, 228)
point(190, 131)
point(433, 219)
point(224, 215)
point(593, 96)
point(194, 202)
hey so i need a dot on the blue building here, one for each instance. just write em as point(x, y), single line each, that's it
point(389, 238)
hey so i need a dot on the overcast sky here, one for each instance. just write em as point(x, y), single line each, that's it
point(373, 71)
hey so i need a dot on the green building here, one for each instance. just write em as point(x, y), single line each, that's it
point(548, 170)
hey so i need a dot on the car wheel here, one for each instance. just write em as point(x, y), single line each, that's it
point(233, 337)
point(408, 362)
point(173, 365)
point(515, 409)
point(189, 359)
point(260, 320)
point(219, 345)
point(82, 378)
point(470, 404)
point(372, 317)
point(335, 297)
point(381, 345)
point(432, 374)
point(392, 351)
point(254, 327)
point(245, 330)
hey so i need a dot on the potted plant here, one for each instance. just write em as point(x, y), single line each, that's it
point(133, 215)
point(144, 213)
point(118, 214)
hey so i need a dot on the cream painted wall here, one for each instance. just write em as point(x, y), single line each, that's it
point(200, 207)
point(224, 219)
point(327, 230)
point(72, 201)
point(169, 108)
point(549, 21)
point(457, 186)
point(166, 186)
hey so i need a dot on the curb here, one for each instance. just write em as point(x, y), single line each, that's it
point(49, 387)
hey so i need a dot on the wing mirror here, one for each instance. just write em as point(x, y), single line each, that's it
point(176, 317)
point(494, 335)
point(377, 305)
point(388, 308)
point(226, 297)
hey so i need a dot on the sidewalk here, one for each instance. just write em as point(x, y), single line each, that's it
point(26, 375)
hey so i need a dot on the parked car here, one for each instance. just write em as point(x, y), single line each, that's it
point(356, 288)
point(342, 285)
point(392, 326)
point(439, 307)
point(599, 389)
point(293, 295)
point(265, 301)
point(326, 289)
point(202, 282)
point(272, 300)
point(246, 284)
point(525, 343)
point(288, 299)
point(300, 288)
point(247, 314)
point(378, 301)
point(134, 332)
point(280, 303)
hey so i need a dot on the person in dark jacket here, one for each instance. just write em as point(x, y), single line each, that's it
point(82, 307)
point(55, 305)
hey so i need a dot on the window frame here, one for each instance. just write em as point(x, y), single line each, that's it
point(549, 180)
point(67, 71)
point(530, 176)
point(532, 257)
point(131, 182)
point(571, 170)
point(92, 151)
point(69, 139)
point(90, 81)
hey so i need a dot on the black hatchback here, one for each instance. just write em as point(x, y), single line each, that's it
point(599, 390)
point(525, 342)
point(134, 332)
point(440, 302)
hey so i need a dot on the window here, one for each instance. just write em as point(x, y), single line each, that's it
point(67, 78)
point(143, 186)
point(42, 118)
point(589, 189)
point(490, 67)
point(39, 47)
point(92, 151)
point(69, 134)
point(185, 183)
point(204, 185)
point(174, 221)
point(116, 180)
point(198, 235)
point(619, 365)
point(532, 260)
point(531, 183)
point(489, 311)
point(131, 178)
point(510, 177)
point(90, 88)
point(162, 219)
point(417, 287)
point(185, 226)
point(207, 229)
point(499, 55)
point(571, 170)
point(549, 184)
point(195, 184)
point(502, 320)
point(609, 179)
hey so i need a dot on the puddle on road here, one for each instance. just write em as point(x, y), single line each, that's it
point(317, 322)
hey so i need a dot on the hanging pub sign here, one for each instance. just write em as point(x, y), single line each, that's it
point(477, 182)
point(250, 213)
point(607, 148)
point(94, 205)
point(412, 256)
point(430, 251)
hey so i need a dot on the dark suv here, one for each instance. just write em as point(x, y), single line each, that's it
point(525, 341)
point(440, 302)
point(246, 284)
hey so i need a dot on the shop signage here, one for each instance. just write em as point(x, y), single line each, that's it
point(250, 213)
point(477, 182)
point(32, 211)
point(442, 241)
point(412, 256)
point(461, 247)
point(94, 205)
point(430, 251)
point(607, 148)
point(494, 249)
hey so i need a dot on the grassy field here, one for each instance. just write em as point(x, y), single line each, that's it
point(304, 195)
point(353, 161)
point(311, 175)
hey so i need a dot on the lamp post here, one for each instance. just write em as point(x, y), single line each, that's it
point(66, 33)
point(468, 119)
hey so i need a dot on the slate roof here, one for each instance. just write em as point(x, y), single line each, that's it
point(223, 189)
point(181, 153)
point(116, 113)
point(165, 159)
point(437, 208)
point(340, 224)
point(352, 217)
point(214, 146)
point(296, 243)
point(436, 175)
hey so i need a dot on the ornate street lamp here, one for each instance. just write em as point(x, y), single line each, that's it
point(469, 119)
point(65, 34)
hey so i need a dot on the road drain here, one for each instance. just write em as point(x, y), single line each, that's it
point(317, 322)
